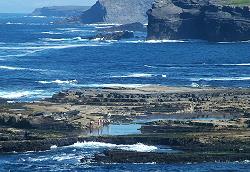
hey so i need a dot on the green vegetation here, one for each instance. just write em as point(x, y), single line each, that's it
point(239, 2)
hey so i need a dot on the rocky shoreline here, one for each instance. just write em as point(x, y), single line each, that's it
point(69, 116)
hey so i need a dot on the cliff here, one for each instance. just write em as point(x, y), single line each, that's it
point(117, 11)
point(60, 11)
point(198, 19)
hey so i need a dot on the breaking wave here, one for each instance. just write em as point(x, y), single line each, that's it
point(63, 39)
point(10, 23)
point(59, 82)
point(139, 147)
point(135, 75)
point(50, 47)
point(195, 85)
point(19, 94)
point(37, 16)
point(103, 24)
point(20, 68)
point(240, 64)
point(196, 65)
point(149, 66)
point(153, 41)
point(52, 33)
point(221, 79)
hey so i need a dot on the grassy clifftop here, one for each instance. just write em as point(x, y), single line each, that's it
point(240, 2)
point(237, 2)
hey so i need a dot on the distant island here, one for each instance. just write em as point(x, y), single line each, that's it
point(60, 11)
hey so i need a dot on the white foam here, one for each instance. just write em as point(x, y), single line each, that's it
point(12, 68)
point(149, 66)
point(153, 41)
point(81, 30)
point(97, 39)
point(53, 147)
point(240, 64)
point(49, 47)
point(64, 157)
point(20, 68)
point(26, 53)
point(71, 46)
point(195, 85)
point(67, 29)
point(221, 79)
point(116, 85)
point(103, 24)
point(39, 159)
point(10, 23)
point(246, 161)
point(103, 27)
point(52, 33)
point(63, 39)
point(38, 16)
point(19, 94)
point(59, 82)
point(196, 65)
point(139, 147)
point(234, 42)
point(135, 75)
point(163, 41)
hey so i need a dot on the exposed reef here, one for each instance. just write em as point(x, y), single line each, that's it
point(198, 19)
point(69, 116)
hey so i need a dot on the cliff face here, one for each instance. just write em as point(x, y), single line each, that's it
point(198, 19)
point(117, 11)
point(60, 11)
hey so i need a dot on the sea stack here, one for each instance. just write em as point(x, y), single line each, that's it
point(117, 11)
point(198, 19)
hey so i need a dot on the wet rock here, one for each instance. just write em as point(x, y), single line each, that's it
point(117, 156)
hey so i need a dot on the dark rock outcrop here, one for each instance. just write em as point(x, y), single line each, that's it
point(117, 156)
point(2, 101)
point(129, 27)
point(114, 36)
point(117, 11)
point(198, 19)
point(60, 11)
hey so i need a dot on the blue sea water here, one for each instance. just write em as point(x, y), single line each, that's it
point(39, 56)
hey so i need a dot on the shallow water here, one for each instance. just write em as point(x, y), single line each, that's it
point(135, 125)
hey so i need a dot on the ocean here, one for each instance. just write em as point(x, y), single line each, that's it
point(40, 57)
